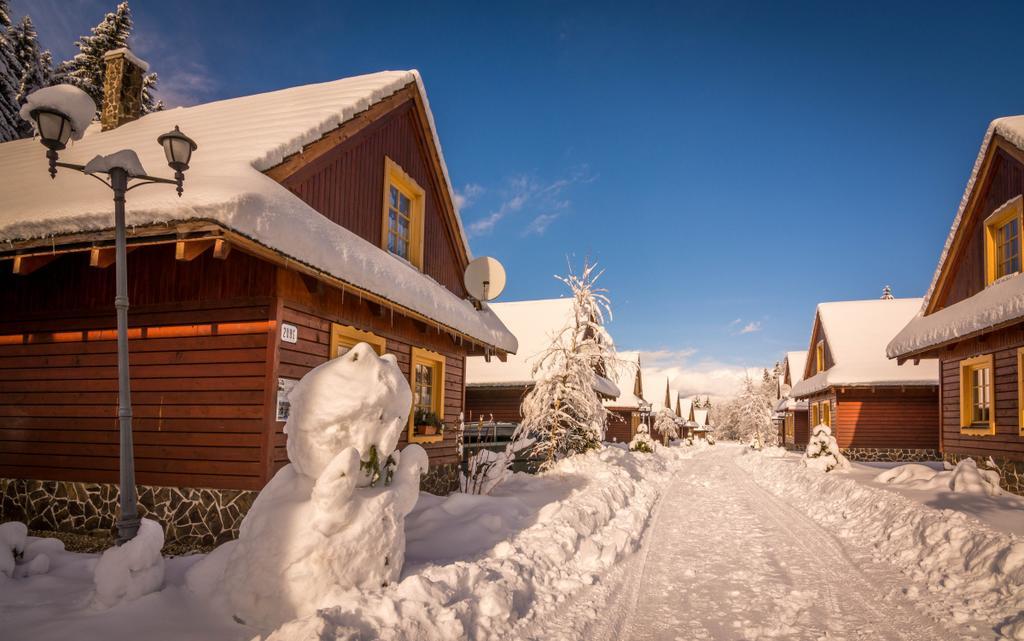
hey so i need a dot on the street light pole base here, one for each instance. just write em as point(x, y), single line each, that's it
point(127, 529)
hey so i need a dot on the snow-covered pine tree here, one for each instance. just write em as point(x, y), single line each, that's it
point(642, 441)
point(563, 413)
point(87, 69)
point(150, 103)
point(34, 64)
point(665, 424)
point(10, 74)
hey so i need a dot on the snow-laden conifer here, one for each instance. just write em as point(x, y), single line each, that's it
point(87, 69)
point(822, 451)
point(666, 425)
point(10, 73)
point(34, 65)
point(563, 413)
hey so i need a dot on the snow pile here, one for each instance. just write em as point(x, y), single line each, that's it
point(822, 453)
point(330, 521)
point(972, 572)
point(133, 569)
point(12, 545)
point(71, 101)
point(966, 477)
point(572, 541)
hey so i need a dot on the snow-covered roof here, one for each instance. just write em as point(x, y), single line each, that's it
point(998, 304)
point(857, 333)
point(625, 380)
point(700, 417)
point(796, 362)
point(239, 139)
point(787, 403)
point(535, 324)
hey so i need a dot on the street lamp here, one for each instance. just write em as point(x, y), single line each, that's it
point(59, 113)
point(645, 414)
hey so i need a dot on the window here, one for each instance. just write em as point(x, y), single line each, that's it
point(819, 356)
point(826, 413)
point(790, 427)
point(426, 378)
point(344, 338)
point(977, 402)
point(814, 415)
point(1003, 241)
point(402, 227)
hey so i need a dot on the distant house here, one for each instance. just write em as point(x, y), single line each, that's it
point(972, 318)
point(495, 388)
point(700, 417)
point(792, 412)
point(313, 218)
point(624, 410)
point(877, 410)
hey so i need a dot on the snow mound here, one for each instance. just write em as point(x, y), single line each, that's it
point(330, 521)
point(822, 453)
point(67, 99)
point(12, 544)
point(125, 159)
point(133, 569)
point(971, 571)
point(966, 477)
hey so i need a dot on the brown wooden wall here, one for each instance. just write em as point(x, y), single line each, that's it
point(621, 424)
point(801, 429)
point(1006, 442)
point(197, 366)
point(313, 312)
point(1005, 181)
point(347, 186)
point(503, 404)
point(812, 359)
point(887, 418)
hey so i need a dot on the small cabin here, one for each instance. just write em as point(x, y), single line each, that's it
point(792, 413)
point(313, 218)
point(972, 319)
point(624, 410)
point(878, 410)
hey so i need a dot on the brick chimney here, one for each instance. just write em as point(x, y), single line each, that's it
point(122, 88)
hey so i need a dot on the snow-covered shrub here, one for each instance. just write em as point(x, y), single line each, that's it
point(666, 425)
point(642, 441)
point(563, 413)
point(132, 569)
point(822, 451)
point(965, 477)
point(323, 524)
point(12, 545)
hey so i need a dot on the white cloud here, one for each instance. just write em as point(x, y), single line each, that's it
point(523, 192)
point(689, 376)
point(540, 224)
point(751, 327)
point(465, 197)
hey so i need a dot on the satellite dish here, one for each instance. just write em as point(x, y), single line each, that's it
point(484, 278)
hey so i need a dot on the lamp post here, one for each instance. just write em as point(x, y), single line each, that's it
point(55, 127)
point(645, 414)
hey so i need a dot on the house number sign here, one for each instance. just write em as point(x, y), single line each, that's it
point(289, 333)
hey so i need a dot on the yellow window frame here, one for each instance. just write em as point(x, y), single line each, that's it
point(790, 427)
point(814, 415)
point(819, 356)
point(422, 356)
point(347, 336)
point(826, 413)
point(395, 175)
point(967, 368)
point(995, 221)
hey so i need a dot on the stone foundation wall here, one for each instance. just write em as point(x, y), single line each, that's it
point(192, 517)
point(891, 454)
point(1011, 473)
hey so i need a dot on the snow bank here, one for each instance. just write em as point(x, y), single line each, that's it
point(822, 452)
point(972, 572)
point(12, 544)
point(71, 101)
point(134, 569)
point(573, 541)
point(966, 477)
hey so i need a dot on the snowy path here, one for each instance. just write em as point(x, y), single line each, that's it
point(723, 559)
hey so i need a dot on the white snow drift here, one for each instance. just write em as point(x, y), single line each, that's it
point(133, 569)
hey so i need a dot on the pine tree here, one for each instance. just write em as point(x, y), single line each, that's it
point(563, 413)
point(887, 293)
point(87, 69)
point(665, 425)
point(35, 69)
point(150, 103)
point(10, 74)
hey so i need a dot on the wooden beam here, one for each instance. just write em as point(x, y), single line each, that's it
point(190, 249)
point(24, 265)
point(221, 248)
point(102, 257)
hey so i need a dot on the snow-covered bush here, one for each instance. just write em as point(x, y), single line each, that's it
point(12, 545)
point(324, 524)
point(666, 425)
point(132, 569)
point(965, 477)
point(822, 451)
point(563, 413)
point(642, 441)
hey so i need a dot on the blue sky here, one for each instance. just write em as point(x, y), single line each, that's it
point(729, 166)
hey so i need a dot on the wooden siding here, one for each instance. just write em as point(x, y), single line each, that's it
point(621, 425)
point(1006, 442)
point(801, 429)
point(887, 418)
point(312, 312)
point(811, 367)
point(1004, 181)
point(501, 404)
point(347, 185)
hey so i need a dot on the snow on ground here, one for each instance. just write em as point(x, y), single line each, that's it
point(477, 567)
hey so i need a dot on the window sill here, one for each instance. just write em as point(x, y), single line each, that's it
point(978, 431)
point(433, 438)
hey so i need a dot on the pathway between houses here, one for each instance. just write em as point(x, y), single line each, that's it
point(724, 560)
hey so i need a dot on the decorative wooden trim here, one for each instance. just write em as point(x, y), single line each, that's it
point(1008, 211)
point(967, 366)
point(427, 357)
point(346, 335)
point(407, 185)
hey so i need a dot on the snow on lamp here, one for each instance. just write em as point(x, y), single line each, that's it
point(59, 113)
point(178, 149)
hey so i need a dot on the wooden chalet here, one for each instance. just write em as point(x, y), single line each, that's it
point(878, 410)
point(494, 388)
point(700, 421)
point(624, 410)
point(792, 413)
point(972, 319)
point(313, 218)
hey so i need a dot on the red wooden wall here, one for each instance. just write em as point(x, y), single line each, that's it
point(887, 418)
point(503, 404)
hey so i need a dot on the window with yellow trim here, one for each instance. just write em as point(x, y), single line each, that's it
point(426, 378)
point(819, 356)
point(402, 225)
point(814, 415)
point(826, 413)
point(1003, 241)
point(344, 338)
point(977, 401)
point(790, 427)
